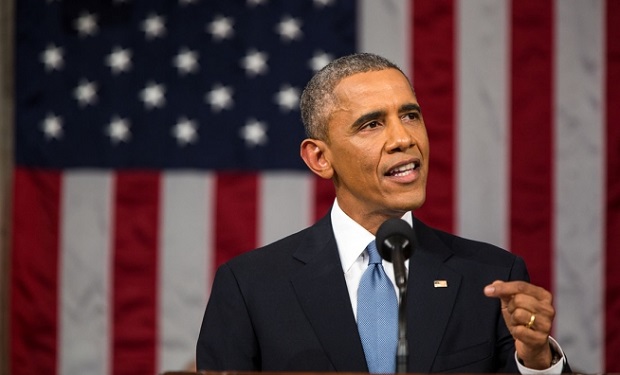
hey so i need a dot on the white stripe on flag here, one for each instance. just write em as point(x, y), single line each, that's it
point(383, 27)
point(186, 254)
point(84, 332)
point(579, 183)
point(482, 117)
point(285, 204)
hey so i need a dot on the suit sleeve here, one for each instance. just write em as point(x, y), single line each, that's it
point(226, 340)
point(505, 343)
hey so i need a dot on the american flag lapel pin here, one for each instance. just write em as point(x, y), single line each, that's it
point(440, 283)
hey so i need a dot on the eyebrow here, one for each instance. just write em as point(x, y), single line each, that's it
point(409, 107)
point(367, 117)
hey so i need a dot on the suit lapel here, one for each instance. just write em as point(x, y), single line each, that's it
point(429, 307)
point(322, 294)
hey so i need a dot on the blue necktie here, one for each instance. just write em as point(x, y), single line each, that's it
point(377, 315)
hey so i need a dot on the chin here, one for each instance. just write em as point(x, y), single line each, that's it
point(414, 202)
point(409, 205)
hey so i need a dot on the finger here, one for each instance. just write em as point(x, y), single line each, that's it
point(491, 291)
point(529, 303)
point(505, 290)
point(523, 301)
point(521, 307)
point(529, 327)
point(523, 317)
point(529, 320)
point(529, 337)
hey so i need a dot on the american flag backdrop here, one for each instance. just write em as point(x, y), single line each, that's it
point(155, 139)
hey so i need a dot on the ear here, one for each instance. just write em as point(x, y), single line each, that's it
point(316, 156)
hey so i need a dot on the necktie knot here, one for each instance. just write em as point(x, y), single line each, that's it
point(373, 253)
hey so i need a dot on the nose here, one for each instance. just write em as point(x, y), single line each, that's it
point(398, 137)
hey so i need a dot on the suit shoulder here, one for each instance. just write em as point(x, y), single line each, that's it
point(284, 249)
point(476, 250)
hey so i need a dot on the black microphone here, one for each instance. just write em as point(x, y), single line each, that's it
point(395, 241)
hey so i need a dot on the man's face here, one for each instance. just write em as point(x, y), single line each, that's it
point(378, 147)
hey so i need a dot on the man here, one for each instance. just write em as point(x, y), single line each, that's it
point(293, 305)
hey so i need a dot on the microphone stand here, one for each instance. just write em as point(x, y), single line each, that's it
point(400, 275)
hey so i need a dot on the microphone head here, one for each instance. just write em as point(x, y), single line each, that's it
point(395, 233)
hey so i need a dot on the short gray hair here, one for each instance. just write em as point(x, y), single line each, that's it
point(318, 97)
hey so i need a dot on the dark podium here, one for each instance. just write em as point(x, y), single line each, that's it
point(314, 373)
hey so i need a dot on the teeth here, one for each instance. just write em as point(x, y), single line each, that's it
point(403, 169)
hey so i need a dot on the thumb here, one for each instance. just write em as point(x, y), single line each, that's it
point(491, 291)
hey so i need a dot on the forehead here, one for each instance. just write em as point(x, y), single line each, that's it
point(376, 88)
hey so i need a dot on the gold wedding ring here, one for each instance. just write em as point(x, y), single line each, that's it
point(531, 322)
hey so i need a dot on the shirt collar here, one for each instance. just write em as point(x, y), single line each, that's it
point(351, 237)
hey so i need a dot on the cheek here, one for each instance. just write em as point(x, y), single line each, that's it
point(423, 142)
point(354, 168)
point(356, 158)
point(366, 161)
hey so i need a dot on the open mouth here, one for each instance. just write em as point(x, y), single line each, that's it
point(404, 169)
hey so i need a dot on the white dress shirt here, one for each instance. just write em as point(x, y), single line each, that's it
point(352, 240)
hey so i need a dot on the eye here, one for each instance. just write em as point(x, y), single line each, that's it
point(371, 125)
point(411, 116)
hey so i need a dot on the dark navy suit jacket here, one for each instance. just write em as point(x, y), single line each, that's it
point(285, 307)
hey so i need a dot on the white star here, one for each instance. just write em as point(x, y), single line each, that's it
point(287, 98)
point(153, 95)
point(322, 3)
point(86, 24)
point(289, 29)
point(254, 63)
point(185, 131)
point(52, 58)
point(319, 60)
point(254, 133)
point(52, 126)
point(186, 61)
point(86, 92)
point(221, 28)
point(153, 26)
point(118, 130)
point(220, 97)
point(119, 60)
point(253, 3)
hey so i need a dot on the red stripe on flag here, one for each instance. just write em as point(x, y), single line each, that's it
point(531, 184)
point(433, 79)
point(236, 223)
point(136, 222)
point(324, 195)
point(612, 280)
point(34, 272)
